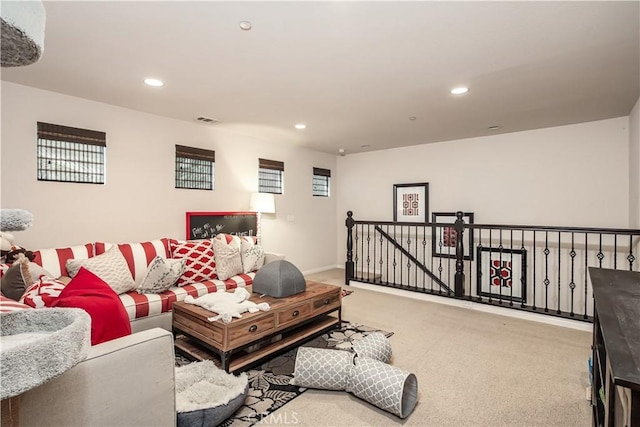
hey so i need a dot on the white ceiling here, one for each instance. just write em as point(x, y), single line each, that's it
point(354, 72)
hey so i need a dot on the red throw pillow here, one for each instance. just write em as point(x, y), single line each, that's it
point(109, 319)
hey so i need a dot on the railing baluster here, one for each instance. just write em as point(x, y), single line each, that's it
point(394, 257)
point(572, 283)
point(546, 271)
point(631, 257)
point(586, 278)
point(559, 270)
point(523, 277)
point(534, 270)
point(368, 251)
point(600, 254)
point(513, 279)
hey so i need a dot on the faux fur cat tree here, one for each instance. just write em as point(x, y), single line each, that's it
point(13, 220)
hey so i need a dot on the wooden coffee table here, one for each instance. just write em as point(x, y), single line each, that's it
point(256, 336)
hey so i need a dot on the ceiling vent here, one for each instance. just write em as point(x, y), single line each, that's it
point(208, 120)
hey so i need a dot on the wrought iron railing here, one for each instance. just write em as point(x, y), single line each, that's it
point(533, 268)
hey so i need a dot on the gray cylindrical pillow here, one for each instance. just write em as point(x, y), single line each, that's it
point(374, 346)
point(322, 368)
point(385, 386)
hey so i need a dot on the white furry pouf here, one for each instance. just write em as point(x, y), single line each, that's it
point(204, 386)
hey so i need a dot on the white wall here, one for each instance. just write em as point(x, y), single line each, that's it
point(634, 166)
point(574, 175)
point(139, 200)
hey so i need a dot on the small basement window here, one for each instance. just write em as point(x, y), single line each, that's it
point(270, 176)
point(195, 168)
point(321, 179)
point(68, 154)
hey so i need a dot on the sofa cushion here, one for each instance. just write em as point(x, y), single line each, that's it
point(226, 249)
point(252, 254)
point(7, 305)
point(110, 266)
point(19, 277)
point(200, 264)
point(55, 260)
point(43, 292)
point(138, 255)
point(144, 305)
point(86, 290)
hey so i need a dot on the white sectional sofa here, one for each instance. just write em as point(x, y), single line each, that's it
point(128, 381)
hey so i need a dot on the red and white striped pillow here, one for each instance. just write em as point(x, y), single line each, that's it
point(139, 255)
point(42, 293)
point(7, 305)
point(200, 264)
point(54, 260)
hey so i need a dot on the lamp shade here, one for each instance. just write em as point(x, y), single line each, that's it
point(262, 202)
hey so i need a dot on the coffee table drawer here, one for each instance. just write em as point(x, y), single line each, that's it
point(326, 302)
point(250, 331)
point(295, 314)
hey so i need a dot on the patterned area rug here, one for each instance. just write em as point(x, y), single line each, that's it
point(269, 387)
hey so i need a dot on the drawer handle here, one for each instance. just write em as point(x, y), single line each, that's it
point(295, 313)
point(327, 301)
point(253, 328)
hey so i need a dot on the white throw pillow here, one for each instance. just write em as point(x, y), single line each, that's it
point(161, 275)
point(226, 250)
point(252, 254)
point(111, 267)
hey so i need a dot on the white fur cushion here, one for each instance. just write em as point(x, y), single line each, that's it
point(226, 250)
point(252, 254)
point(161, 275)
point(111, 267)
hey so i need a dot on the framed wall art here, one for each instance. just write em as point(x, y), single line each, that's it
point(502, 273)
point(206, 225)
point(444, 239)
point(411, 202)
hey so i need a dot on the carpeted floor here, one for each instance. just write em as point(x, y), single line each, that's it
point(269, 385)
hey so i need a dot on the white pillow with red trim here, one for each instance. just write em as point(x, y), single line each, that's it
point(227, 252)
point(42, 293)
point(252, 254)
point(111, 267)
point(200, 264)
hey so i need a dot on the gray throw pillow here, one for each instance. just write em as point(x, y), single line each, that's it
point(19, 277)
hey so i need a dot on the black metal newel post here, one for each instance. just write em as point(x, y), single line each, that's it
point(348, 266)
point(459, 277)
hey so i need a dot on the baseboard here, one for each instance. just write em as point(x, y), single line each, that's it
point(321, 269)
point(567, 323)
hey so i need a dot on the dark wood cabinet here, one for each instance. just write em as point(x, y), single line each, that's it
point(616, 348)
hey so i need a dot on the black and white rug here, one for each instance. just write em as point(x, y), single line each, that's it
point(269, 387)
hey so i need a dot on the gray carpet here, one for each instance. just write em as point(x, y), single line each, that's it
point(473, 368)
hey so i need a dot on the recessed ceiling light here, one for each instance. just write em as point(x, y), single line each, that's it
point(153, 82)
point(412, 118)
point(245, 25)
point(460, 90)
point(493, 127)
point(300, 126)
point(365, 146)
